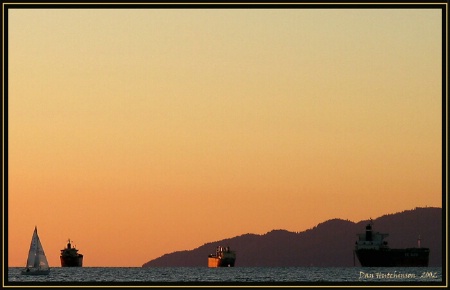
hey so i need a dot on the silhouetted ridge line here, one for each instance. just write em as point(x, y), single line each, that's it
point(329, 244)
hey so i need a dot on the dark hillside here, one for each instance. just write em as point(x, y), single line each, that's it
point(329, 244)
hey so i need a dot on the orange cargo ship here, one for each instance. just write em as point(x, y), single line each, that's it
point(223, 257)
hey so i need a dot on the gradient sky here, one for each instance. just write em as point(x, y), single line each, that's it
point(141, 132)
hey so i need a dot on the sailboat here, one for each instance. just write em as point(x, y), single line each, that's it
point(37, 263)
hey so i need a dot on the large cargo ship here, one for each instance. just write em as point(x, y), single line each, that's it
point(70, 257)
point(223, 257)
point(373, 251)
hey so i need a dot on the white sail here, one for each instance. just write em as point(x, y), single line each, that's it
point(33, 249)
point(36, 255)
point(41, 259)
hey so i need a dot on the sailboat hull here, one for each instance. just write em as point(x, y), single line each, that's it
point(35, 272)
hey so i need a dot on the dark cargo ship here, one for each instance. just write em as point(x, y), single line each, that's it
point(373, 251)
point(223, 257)
point(70, 257)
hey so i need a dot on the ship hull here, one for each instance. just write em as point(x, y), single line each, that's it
point(220, 262)
point(409, 257)
point(71, 261)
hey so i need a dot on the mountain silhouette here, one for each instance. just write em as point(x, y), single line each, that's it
point(329, 244)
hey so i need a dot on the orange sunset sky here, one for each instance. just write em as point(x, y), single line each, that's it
point(140, 132)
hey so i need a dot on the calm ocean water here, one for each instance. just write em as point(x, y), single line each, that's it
point(234, 275)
